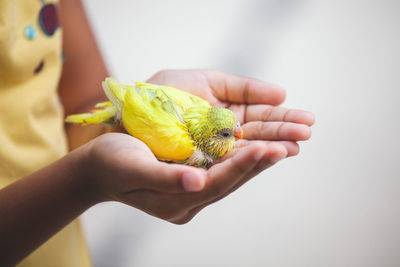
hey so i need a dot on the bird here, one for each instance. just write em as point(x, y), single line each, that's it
point(177, 126)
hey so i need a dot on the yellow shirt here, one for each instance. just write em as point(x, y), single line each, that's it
point(31, 117)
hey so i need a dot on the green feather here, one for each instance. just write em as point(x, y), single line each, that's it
point(205, 125)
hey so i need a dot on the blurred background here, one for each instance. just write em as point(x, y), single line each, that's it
point(338, 202)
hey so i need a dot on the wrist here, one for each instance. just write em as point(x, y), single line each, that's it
point(84, 178)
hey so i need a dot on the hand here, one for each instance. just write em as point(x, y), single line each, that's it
point(271, 132)
point(131, 174)
point(253, 102)
point(117, 166)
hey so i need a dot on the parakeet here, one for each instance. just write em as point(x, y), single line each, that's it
point(177, 126)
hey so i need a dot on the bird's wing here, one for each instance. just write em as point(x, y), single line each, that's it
point(182, 99)
point(151, 114)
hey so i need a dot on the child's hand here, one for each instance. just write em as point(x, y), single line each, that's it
point(255, 103)
point(120, 167)
point(127, 171)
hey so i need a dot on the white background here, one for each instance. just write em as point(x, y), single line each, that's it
point(337, 203)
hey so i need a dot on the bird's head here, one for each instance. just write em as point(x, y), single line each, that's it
point(215, 131)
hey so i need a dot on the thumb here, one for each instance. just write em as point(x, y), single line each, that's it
point(165, 177)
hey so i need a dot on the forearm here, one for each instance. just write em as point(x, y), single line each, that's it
point(78, 135)
point(83, 71)
point(41, 204)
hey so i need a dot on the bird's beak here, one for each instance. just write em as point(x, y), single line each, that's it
point(238, 133)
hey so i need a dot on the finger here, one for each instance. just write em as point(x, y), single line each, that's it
point(164, 177)
point(270, 113)
point(275, 152)
point(240, 145)
point(272, 155)
point(284, 131)
point(223, 175)
point(238, 89)
point(292, 147)
point(180, 208)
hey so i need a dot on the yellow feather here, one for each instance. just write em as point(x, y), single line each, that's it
point(96, 116)
point(155, 115)
point(145, 118)
point(183, 99)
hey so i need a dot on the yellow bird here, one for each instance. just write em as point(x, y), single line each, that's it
point(177, 126)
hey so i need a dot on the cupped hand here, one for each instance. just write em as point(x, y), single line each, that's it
point(122, 168)
point(131, 174)
point(118, 164)
point(255, 104)
point(271, 132)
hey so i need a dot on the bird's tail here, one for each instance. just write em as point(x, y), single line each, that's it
point(110, 111)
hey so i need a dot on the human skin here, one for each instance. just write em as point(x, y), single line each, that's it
point(119, 167)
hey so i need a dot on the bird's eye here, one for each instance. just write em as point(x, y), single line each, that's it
point(225, 133)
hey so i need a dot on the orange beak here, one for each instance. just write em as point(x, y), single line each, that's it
point(238, 133)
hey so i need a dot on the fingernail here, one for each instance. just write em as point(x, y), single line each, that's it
point(192, 182)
